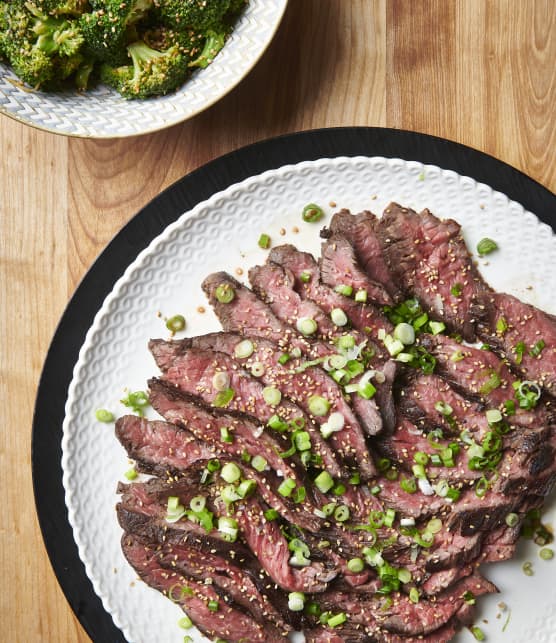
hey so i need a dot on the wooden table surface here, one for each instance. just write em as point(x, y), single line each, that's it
point(480, 72)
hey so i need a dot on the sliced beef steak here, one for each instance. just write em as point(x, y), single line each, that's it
point(430, 259)
point(360, 230)
point(194, 598)
point(274, 285)
point(338, 266)
point(299, 387)
point(524, 334)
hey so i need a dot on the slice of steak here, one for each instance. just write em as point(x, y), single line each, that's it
point(193, 371)
point(176, 358)
point(431, 261)
point(338, 265)
point(523, 334)
point(299, 387)
point(364, 317)
point(500, 544)
point(170, 452)
point(451, 549)
point(183, 410)
point(229, 580)
point(245, 313)
point(481, 374)
point(401, 616)
point(439, 581)
point(360, 230)
point(275, 285)
point(267, 542)
point(194, 598)
point(159, 448)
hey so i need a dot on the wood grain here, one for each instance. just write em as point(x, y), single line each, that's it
point(480, 73)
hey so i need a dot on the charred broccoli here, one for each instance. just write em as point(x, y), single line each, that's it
point(108, 30)
point(197, 14)
point(152, 73)
point(140, 47)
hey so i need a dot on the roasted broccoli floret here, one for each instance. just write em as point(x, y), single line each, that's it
point(216, 39)
point(189, 42)
point(39, 47)
point(62, 7)
point(153, 72)
point(198, 14)
point(108, 30)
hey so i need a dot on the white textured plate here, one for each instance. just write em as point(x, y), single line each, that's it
point(222, 233)
point(103, 113)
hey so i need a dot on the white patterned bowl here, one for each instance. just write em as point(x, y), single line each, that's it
point(103, 113)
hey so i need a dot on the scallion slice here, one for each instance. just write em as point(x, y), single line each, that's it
point(223, 398)
point(296, 601)
point(230, 472)
point(338, 317)
point(272, 395)
point(355, 565)
point(259, 463)
point(361, 296)
point(341, 513)
point(306, 326)
point(485, 247)
point(244, 349)
point(286, 488)
point(344, 289)
point(405, 333)
point(318, 405)
point(264, 241)
point(224, 293)
point(220, 381)
point(175, 323)
point(324, 481)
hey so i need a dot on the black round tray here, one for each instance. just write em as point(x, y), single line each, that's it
point(137, 234)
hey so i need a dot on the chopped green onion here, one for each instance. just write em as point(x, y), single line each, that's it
point(318, 405)
point(286, 488)
point(244, 349)
point(306, 326)
point(131, 474)
point(305, 277)
point(537, 348)
point(228, 527)
point(492, 383)
point(223, 398)
point(443, 408)
point(264, 241)
point(457, 356)
point(246, 488)
point(344, 289)
point(527, 568)
point(185, 623)
point(220, 381)
point(414, 595)
point(512, 519)
point(328, 509)
point(296, 601)
point(312, 213)
point(361, 296)
point(312, 609)
point(501, 325)
point(486, 246)
point(393, 346)
point(453, 494)
point(324, 481)
point(224, 293)
point(337, 619)
point(226, 435)
point(341, 513)
point(355, 478)
point(493, 416)
point(271, 514)
point(437, 327)
point(258, 463)
point(469, 598)
point(355, 565)
point(339, 489)
point(405, 333)
point(546, 553)
point(441, 488)
point(272, 395)
point(213, 605)
point(299, 494)
point(276, 423)
point(366, 391)
point(426, 539)
point(257, 369)
point(175, 323)
point(456, 289)
point(434, 525)
point(213, 465)
point(404, 575)
point(420, 457)
point(102, 415)
point(284, 358)
point(477, 633)
point(230, 472)
point(481, 487)
point(136, 401)
point(338, 317)
point(409, 485)
point(197, 503)
point(389, 517)
point(419, 471)
point(519, 350)
point(187, 639)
